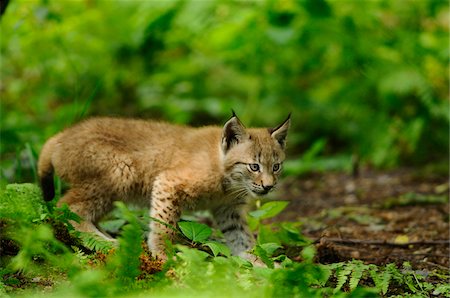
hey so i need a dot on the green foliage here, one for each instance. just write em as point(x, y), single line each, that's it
point(218, 248)
point(90, 283)
point(64, 215)
point(415, 199)
point(25, 220)
point(199, 233)
point(195, 231)
point(382, 279)
point(22, 202)
point(356, 76)
point(390, 276)
point(196, 275)
point(38, 246)
point(96, 243)
point(192, 272)
point(264, 255)
point(282, 233)
point(352, 272)
point(126, 260)
point(313, 160)
point(267, 210)
point(301, 279)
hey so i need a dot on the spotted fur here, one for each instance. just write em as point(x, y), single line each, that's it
point(166, 168)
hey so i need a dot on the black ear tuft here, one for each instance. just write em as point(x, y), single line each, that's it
point(279, 133)
point(233, 133)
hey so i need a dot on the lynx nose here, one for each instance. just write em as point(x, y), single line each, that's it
point(267, 187)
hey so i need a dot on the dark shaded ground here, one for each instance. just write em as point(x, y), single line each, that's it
point(379, 217)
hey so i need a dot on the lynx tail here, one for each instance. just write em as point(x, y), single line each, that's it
point(45, 169)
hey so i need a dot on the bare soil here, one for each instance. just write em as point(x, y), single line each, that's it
point(377, 217)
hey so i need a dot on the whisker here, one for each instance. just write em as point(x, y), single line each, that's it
point(237, 191)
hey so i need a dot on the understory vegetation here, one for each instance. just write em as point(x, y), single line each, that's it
point(366, 83)
point(43, 256)
point(366, 80)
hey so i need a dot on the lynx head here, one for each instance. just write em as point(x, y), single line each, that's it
point(253, 157)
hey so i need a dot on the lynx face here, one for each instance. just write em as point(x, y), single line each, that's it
point(253, 158)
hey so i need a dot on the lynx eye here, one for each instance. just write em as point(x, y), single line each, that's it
point(276, 167)
point(254, 167)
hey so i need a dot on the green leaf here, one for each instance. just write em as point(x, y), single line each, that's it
point(253, 223)
point(218, 248)
point(195, 231)
point(442, 289)
point(290, 233)
point(267, 235)
point(269, 209)
point(262, 254)
point(192, 256)
point(308, 253)
point(270, 248)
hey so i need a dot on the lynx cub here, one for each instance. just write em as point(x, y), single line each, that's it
point(167, 168)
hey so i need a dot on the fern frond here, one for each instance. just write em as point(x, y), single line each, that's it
point(96, 243)
point(335, 266)
point(358, 268)
point(126, 260)
point(376, 277)
point(80, 255)
point(383, 278)
point(342, 276)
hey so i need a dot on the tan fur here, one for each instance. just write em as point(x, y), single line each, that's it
point(165, 167)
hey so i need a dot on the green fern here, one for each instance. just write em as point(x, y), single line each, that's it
point(390, 271)
point(358, 269)
point(80, 255)
point(410, 278)
point(126, 261)
point(353, 272)
point(96, 243)
point(380, 279)
point(342, 276)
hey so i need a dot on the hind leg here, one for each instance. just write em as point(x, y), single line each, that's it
point(91, 205)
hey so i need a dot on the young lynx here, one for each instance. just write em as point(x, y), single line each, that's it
point(167, 168)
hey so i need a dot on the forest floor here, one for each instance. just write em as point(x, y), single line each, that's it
point(378, 217)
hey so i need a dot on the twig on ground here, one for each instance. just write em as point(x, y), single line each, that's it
point(381, 242)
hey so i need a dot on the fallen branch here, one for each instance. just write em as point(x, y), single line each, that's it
point(381, 242)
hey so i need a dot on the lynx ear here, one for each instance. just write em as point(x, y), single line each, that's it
point(233, 133)
point(279, 133)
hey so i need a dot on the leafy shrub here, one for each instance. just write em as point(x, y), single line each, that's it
point(356, 77)
point(193, 271)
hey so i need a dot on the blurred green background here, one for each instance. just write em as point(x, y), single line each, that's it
point(365, 79)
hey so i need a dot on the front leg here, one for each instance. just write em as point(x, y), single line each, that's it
point(232, 223)
point(164, 211)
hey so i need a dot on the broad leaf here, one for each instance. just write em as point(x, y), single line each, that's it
point(218, 248)
point(270, 248)
point(269, 209)
point(262, 254)
point(195, 231)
